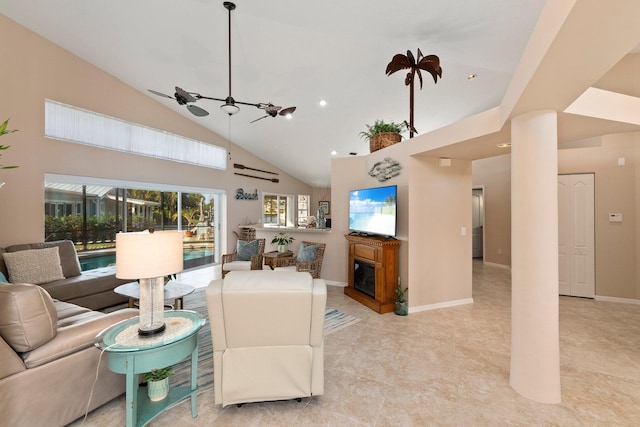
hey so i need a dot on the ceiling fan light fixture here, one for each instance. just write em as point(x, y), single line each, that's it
point(229, 108)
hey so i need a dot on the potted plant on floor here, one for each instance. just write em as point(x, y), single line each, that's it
point(283, 241)
point(158, 383)
point(401, 305)
point(382, 134)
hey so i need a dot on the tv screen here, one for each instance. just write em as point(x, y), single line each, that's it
point(373, 210)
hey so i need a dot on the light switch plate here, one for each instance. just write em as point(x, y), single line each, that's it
point(615, 217)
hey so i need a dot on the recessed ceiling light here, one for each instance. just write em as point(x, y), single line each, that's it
point(334, 152)
point(472, 76)
point(288, 116)
point(323, 103)
point(504, 145)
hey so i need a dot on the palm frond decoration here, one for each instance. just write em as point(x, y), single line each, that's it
point(429, 63)
point(5, 131)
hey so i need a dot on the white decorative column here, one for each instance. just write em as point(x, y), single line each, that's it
point(535, 348)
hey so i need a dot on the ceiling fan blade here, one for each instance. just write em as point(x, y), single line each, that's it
point(269, 108)
point(155, 92)
point(286, 111)
point(260, 118)
point(184, 96)
point(197, 111)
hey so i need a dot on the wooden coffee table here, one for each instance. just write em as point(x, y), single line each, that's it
point(172, 290)
point(277, 259)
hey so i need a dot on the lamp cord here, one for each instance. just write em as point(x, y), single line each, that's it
point(95, 381)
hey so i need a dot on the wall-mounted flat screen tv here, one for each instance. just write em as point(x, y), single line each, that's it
point(373, 210)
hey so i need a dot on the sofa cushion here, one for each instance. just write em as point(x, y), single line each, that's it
point(3, 267)
point(34, 266)
point(28, 318)
point(237, 266)
point(247, 249)
point(67, 251)
point(90, 282)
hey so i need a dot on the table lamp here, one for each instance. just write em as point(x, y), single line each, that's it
point(149, 256)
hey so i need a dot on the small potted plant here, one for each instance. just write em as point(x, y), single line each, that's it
point(283, 241)
point(158, 383)
point(401, 306)
point(382, 134)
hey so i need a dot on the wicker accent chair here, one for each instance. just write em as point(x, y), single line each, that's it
point(314, 267)
point(230, 262)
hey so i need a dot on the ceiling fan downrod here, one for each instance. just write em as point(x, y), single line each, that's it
point(229, 105)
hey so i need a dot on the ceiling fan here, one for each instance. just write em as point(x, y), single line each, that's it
point(230, 105)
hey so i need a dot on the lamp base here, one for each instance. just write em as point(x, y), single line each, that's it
point(150, 330)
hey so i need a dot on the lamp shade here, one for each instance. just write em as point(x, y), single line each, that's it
point(145, 255)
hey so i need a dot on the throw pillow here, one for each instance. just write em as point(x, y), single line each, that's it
point(307, 253)
point(2, 278)
point(247, 249)
point(35, 266)
point(28, 317)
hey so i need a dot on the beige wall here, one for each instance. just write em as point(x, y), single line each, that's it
point(617, 190)
point(350, 173)
point(434, 203)
point(494, 174)
point(34, 69)
point(440, 262)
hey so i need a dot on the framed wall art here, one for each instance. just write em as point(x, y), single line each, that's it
point(324, 204)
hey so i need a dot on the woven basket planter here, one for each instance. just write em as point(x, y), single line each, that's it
point(382, 140)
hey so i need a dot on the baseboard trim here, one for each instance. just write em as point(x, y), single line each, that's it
point(493, 264)
point(616, 299)
point(440, 305)
point(335, 283)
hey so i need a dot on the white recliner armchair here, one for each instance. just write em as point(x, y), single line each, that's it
point(267, 331)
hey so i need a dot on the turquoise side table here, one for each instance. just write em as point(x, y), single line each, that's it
point(132, 355)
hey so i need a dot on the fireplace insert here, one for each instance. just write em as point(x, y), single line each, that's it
point(364, 277)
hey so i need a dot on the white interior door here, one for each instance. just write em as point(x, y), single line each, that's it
point(576, 245)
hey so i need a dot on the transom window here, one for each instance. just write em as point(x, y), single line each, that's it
point(74, 124)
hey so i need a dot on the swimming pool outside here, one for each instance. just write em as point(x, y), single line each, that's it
point(90, 261)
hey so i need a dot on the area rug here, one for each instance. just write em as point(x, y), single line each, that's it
point(334, 320)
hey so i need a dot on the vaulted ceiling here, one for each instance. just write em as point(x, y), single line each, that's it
point(297, 53)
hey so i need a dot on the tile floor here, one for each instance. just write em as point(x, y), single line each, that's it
point(446, 367)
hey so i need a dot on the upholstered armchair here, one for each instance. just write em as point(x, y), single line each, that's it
point(267, 332)
point(309, 259)
point(247, 256)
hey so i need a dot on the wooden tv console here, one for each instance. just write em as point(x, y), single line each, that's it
point(380, 254)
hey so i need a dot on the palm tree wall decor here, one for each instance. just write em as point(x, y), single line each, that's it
point(429, 63)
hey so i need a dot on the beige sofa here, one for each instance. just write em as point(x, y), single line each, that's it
point(267, 330)
point(49, 361)
point(92, 289)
